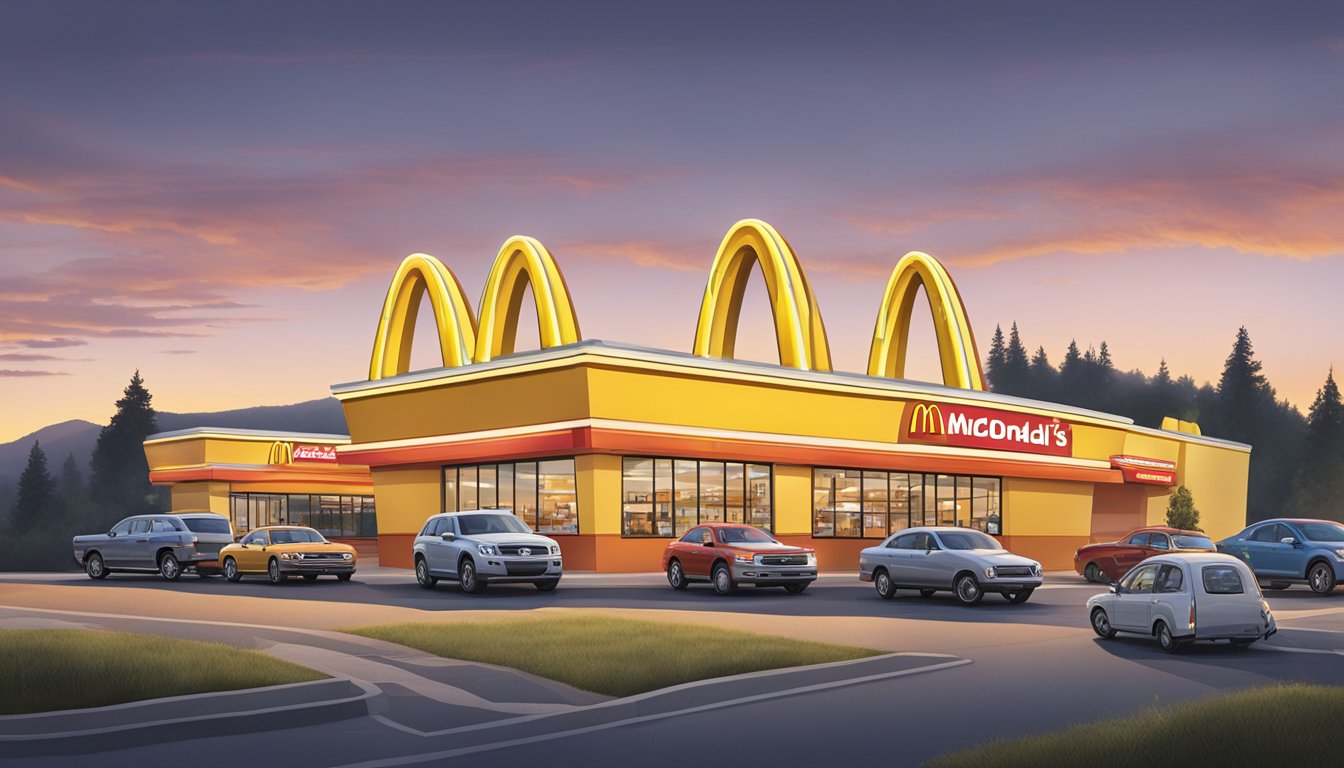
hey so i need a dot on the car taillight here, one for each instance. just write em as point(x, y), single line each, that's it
point(1192, 614)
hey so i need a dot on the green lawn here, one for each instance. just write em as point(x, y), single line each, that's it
point(617, 657)
point(49, 669)
point(1278, 725)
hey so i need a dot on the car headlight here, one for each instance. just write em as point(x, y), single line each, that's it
point(811, 558)
point(1036, 569)
point(347, 556)
point(989, 572)
point(486, 549)
point(555, 549)
point(286, 556)
point(1339, 553)
point(742, 558)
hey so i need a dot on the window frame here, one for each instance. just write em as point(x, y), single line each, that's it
point(920, 501)
point(673, 501)
point(534, 519)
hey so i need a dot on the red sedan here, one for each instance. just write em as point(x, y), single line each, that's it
point(729, 554)
point(1108, 562)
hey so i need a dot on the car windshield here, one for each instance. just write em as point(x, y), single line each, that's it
point(1322, 531)
point(207, 525)
point(967, 540)
point(473, 525)
point(1192, 542)
point(296, 536)
point(744, 536)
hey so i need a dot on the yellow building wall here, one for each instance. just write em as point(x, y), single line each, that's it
point(793, 500)
point(201, 497)
point(1217, 479)
point(598, 476)
point(405, 498)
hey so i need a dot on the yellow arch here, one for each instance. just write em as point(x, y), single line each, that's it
point(956, 344)
point(799, 331)
point(420, 274)
point(521, 262)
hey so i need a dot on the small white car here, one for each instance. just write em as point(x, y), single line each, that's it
point(1181, 598)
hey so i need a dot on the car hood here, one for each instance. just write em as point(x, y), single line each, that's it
point(767, 548)
point(508, 538)
point(996, 557)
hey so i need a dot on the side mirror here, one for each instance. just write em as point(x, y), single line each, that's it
point(449, 536)
point(111, 534)
point(1115, 587)
point(709, 543)
point(1288, 540)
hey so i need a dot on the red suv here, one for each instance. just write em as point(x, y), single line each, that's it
point(729, 554)
point(1108, 562)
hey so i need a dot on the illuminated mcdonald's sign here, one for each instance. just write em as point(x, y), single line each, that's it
point(281, 453)
point(969, 426)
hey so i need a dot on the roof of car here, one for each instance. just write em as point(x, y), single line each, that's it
point(725, 525)
point(282, 528)
point(1298, 520)
point(1194, 558)
point(1164, 529)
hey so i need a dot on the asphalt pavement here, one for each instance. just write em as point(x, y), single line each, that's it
point(1020, 668)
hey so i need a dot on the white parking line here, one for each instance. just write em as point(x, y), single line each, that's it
point(476, 749)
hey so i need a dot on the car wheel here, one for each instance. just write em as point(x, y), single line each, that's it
point(93, 565)
point(882, 583)
point(723, 579)
point(310, 577)
point(1321, 577)
point(1092, 573)
point(1019, 597)
point(1101, 624)
point(273, 571)
point(422, 574)
point(547, 585)
point(344, 576)
point(1165, 640)
point(676, 576)
point(231, 570)
point(468, 577)
point(169, 568)
point(927, 593)
point(795, 589)
point(968, 589)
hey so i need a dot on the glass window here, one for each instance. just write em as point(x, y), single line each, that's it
point(900, 502)
point(849, 503)
point(662, 497)
point(968, 540)
point(162, 526)
point(875, 506)
point(1170, 579)
point(1322, 531)
point(1141, 581)
point(744, 535)
point(1264, 533)
point(695, 535)
point(947, 500)
point(823, 501)
point(711, 492)
point(504, 486)
point(735, 492)
point(491, 522)
point(450, 489)
point(556, 496)
point(1138, 540)
point(257, 538)
point(139, 526)
point(329, 515)
point(1159, 541)
point(487, 484)
point(216, 524)
point(930, 500)
point(122, 528)
point(467, 489)
point(1183, 541)
point(962, 505)
point(525, 492)
point(685, 494)
point(637, 489)
point(1222, 580)
point(759, 507)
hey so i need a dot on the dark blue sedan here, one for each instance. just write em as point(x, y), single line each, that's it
point(1288, 551)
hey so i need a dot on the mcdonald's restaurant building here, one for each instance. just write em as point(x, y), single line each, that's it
point(615, 449)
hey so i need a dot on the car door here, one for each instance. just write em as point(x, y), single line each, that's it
point(925, 563)
point(1133, 551)
point(1133, 599)
point(698, 552)
point(252, 557)
point(895, 557)
point(1171, 598)
point(138, 552)
point(438, 553)
point(117, 543)
point(1266, 555)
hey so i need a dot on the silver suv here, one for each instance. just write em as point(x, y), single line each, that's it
point(474, 548)
point(169, 544)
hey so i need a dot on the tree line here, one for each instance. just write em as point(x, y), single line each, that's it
point(1297, 463)
point(47, 509)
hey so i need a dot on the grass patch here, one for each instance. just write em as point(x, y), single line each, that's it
point(1275, 725)
point(616, 657)
point(49, 669)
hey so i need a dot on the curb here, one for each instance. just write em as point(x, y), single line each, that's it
point(177, 718)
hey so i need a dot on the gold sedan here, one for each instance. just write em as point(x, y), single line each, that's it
point(281, 551)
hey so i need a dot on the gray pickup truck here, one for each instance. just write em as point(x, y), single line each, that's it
point(168, 544)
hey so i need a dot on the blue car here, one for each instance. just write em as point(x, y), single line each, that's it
point(1287, 551)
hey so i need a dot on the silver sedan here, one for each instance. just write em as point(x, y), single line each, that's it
point(961, 560)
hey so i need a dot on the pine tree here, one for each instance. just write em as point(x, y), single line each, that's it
point(1318, 487)
point(120, 481)
point(1181, 512)
point(36, 500)
point(1104, 359)
point(1016, 368)
point(994, 365)
point(1044, 377)
point(72, 481)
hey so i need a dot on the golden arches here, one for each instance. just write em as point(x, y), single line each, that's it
point(523, 261)
point(956, 344)
point(420, 274)
point(799, 331)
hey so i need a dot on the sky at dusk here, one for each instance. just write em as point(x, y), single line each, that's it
point(217, 194)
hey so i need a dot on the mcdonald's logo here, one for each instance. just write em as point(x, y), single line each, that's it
point(927, 419)
point(281, 453)
point(799, 331)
